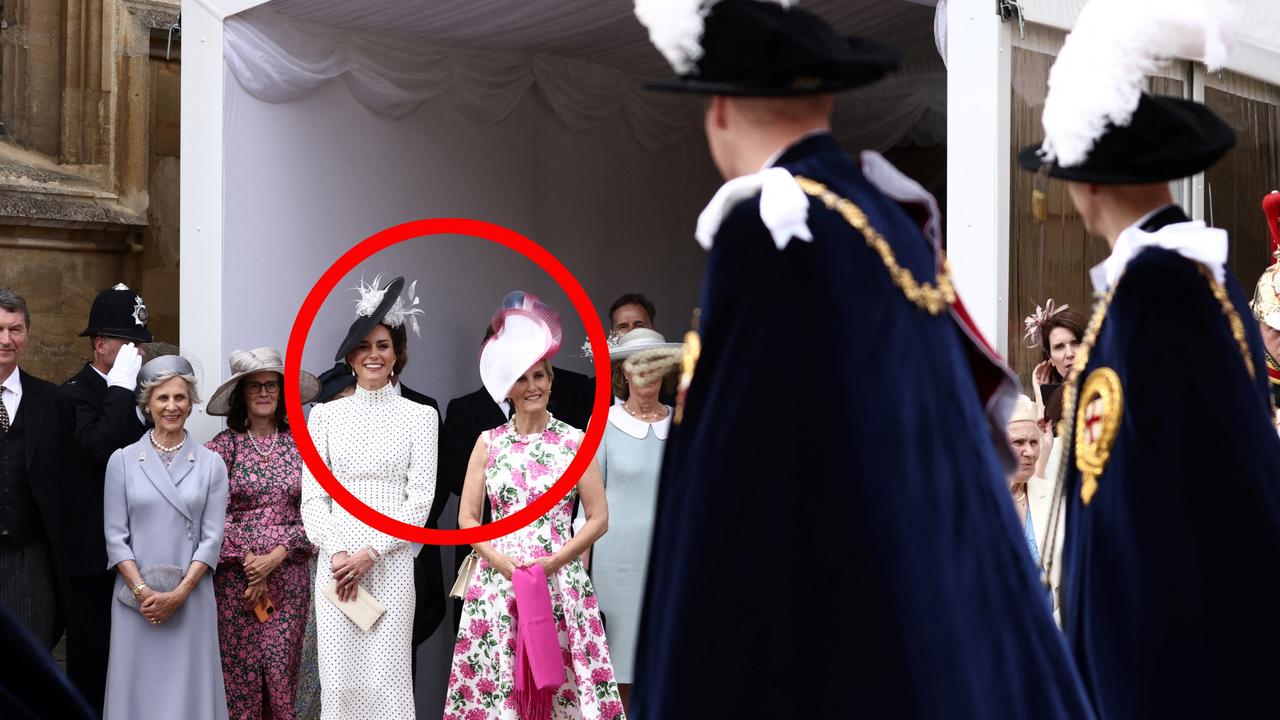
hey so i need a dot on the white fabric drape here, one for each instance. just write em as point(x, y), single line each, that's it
point(278, 59)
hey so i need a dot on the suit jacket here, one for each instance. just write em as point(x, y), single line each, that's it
point(47, 417)
point(890, 486)
point(570, 399)
point(106, 420)
point(429, 605)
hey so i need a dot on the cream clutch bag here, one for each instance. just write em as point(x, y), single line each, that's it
point(465, 572)
point(364, 610)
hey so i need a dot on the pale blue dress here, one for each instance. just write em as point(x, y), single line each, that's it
point(630, 459)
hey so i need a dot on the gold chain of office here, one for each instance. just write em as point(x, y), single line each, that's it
point(933, 298)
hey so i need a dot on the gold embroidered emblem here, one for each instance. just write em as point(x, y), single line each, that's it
point(1100, 408)
point(692, 349)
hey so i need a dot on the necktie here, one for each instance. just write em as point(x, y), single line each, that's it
point(4, 412)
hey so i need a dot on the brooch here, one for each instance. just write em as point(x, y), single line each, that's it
point(1101, 406)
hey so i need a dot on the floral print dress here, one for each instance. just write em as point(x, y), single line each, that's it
point(519, 470)
point(262, 513)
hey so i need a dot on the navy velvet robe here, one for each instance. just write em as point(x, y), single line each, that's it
point(834, 533)
point(1172, 572)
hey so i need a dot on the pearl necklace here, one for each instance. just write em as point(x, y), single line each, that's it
point(654, 416)
point(168, 450)
point(264, 453)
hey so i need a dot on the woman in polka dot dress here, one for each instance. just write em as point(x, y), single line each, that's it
point(515, 464)
point(382, 447)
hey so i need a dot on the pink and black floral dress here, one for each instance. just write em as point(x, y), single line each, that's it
point(520, 468)
point(265, 479)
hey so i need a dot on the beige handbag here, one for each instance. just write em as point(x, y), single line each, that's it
point(364, 610)
point(465, 572)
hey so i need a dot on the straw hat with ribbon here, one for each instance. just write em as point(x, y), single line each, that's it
point(247, 362)
point(645, 354)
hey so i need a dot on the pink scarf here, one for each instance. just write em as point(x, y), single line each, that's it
point(539, 663)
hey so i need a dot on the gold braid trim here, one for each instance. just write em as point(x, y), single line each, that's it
point(1233, 319)
point(1071, 390)
point(932, 298)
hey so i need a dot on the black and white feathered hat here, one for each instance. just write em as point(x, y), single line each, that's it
point(380, 303)
point(758, 48)
point(1101, 126)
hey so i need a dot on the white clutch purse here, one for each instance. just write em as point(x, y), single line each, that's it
point(364, 610)
point(465, 572)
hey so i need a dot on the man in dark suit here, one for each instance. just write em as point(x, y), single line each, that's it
point(34, 422)
point(428, 583)
point(106, 419)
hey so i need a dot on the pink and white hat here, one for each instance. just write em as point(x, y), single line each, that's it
point(526, 331)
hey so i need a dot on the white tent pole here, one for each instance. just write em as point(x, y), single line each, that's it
point(978, 157)
point(200, 296)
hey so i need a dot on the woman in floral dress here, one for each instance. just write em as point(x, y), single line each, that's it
point(515, 464)
point(265, 548)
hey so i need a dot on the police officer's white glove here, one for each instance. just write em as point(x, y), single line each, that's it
point(124, 373)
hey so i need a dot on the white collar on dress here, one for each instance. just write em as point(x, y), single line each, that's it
point(637, 428)
point(1192, 240)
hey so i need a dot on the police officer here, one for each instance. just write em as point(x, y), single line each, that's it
point(106, 419)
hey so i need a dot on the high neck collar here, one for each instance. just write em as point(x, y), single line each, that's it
point(381, 395)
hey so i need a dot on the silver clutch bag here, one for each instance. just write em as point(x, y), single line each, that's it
point(465, 572)
point(159, 578)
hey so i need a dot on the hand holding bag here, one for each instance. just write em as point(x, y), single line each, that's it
point(159, 578)
point(364, 610)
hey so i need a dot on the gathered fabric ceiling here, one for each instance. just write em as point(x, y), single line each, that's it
point(588, 58)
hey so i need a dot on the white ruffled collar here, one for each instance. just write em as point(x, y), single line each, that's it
point(1192, 240)
point(637, 428)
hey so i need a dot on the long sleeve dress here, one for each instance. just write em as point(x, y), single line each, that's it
point(383, 449)
point(155, 514)
point(263, 512)
point(520, 469)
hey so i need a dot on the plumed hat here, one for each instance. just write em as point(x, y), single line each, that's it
point(1101, 126)
point(761, 48)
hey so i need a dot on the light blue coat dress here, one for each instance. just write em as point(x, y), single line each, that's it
point(171, 516)
point(630, 459)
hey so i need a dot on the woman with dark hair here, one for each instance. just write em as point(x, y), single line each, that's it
point(382, 447)
point(262, 584)
point(1057, 331)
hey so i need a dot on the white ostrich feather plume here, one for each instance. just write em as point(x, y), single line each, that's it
point(400, 312)
point(370, 296)
point(675, 28)
point(1101, 72)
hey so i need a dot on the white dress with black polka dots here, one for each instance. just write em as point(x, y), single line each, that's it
point(382, 448)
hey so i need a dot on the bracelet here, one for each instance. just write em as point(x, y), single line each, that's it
point(373, 554)
point(137, 589)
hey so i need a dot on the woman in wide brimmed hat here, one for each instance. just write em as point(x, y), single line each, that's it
point(263, 567)
point(514, 464)
point(382, 447)
point(630, 459)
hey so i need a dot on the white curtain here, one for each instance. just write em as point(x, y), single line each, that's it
point(280, 59)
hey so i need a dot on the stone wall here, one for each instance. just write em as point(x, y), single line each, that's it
point(88, 166)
